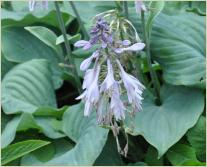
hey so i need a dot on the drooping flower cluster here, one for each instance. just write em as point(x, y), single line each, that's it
point(36, 4)
point(104, 93)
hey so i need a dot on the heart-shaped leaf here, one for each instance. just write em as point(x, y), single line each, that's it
point(27, 87)
point(47, 36)
point(30, 48)
point(89, 138)
point(178, 44)
point(162, 126)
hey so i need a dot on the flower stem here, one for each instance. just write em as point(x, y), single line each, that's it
point(126, 9)
point(153, 75)
point(67, 46)
point(79, 20)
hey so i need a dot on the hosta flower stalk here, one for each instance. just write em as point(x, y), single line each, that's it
point(106, 83)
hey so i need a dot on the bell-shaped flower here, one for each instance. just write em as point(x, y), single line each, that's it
point(83, 43)
point(116, 105)
point(109, 80)
point(134, 47)
point(133, 87)
point(139, 6)
point(91, 94)
point(86, 63)
point(126, 42)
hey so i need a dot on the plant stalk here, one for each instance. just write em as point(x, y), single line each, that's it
point(79, 20)
point(67, 46)
point(126, 9)
point(153, 75)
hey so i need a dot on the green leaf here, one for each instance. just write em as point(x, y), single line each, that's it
point(49, 126)
point(19, 149)
point(27, 87)
point(180, 154)
point(162, 126)
point(47, 36)
point(55, 149)
point(178, 45)
point(196, 137)
point(89, 138)
point(109, 155)
point(29, 48)
point(155, 8)
point(49, 111)
point(5, 65)
point(71, 39)
point(22, 18)
point(151, 157)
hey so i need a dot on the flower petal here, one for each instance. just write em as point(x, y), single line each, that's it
point(135, 47)
point(81, 43)
point(86, 63)
point(126, 42)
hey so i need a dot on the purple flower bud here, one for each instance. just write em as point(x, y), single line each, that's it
point(126, 42)
point(87, 46)
point(86, 63)
point(135, 47)
point(139, 6)
point(81, 43)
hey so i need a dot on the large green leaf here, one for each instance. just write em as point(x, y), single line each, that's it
point(19, 149)
point(47, 36)
point(27, 87)
point(89, 138)
point(196, 137)
point(162, 126)
point(178, 44)
point(182, 154)
point(26, 18)
point(5, 65)
point(55, 149)
point(49, 126)
point(29, 48)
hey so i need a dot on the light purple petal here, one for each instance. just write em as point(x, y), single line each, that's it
point(135, 47)
point(118, 50)
point(87, 46)
point(81, 43)
point(81, 96)
point(139, 6)
point(126, 42)
point(86, 63)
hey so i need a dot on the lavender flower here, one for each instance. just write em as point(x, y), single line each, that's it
point(134, 47)
point(139, 6)
point(91, 94)
point(117, 105)
point(34, 4)
point(86, 63)
point(109, 80)
point(133, 87)
point(97, 92)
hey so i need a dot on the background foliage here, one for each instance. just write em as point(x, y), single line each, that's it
point(42, 124)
